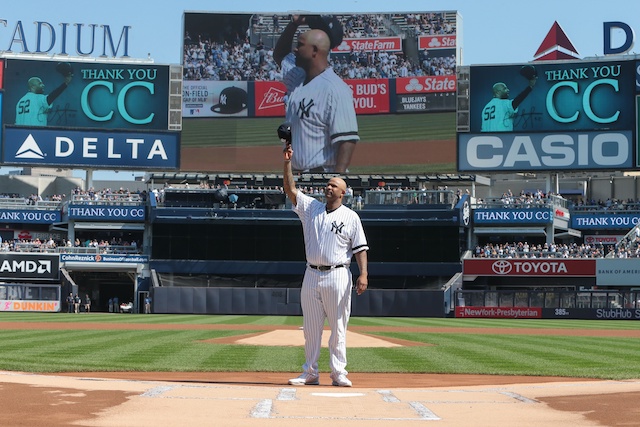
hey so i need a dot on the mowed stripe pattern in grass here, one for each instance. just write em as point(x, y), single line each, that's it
point(169, 348)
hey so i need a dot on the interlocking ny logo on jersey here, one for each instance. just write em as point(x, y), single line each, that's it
point(304, 109)
point(335, 228)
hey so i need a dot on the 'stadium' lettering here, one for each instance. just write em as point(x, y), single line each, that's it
point(86, 39)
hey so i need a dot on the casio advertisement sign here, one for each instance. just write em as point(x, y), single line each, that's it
point(93, 148)
point(29, 266)
point(545, 151)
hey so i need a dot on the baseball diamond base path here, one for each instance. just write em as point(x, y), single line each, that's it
point(265, 399)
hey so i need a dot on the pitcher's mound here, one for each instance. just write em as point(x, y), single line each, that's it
point(283, 337)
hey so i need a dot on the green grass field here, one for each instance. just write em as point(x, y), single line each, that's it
point(183, 349)
point(225, 132)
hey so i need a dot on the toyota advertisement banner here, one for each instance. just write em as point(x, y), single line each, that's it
point(527, 267)
point(607, 271)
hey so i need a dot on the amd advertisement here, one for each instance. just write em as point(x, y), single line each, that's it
point(15, 266)
point(240, 72)
point(570, 115)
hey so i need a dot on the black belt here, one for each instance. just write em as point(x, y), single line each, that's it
point(325, 267)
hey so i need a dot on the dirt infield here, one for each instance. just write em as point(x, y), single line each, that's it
point(265, 399)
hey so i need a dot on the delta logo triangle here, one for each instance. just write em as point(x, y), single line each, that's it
point(29, 149)
point(556, 45)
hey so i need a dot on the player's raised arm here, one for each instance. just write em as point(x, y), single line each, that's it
point(285, 41)
point(289, 184)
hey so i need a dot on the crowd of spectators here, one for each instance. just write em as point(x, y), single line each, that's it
point(433, 23)
point(235, 58)
point(107, 194)
point(542, 250)
point(611, 204)
point(115, 245)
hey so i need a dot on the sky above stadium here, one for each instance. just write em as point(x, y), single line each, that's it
point(493, 32)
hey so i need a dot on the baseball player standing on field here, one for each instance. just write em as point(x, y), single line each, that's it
point(498, 114)
point(333, 234)
point(319, 104)
point(32, 109)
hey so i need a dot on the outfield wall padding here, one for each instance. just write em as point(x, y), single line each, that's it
point(286, 301)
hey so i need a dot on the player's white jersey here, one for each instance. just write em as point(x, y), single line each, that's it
point(331, 238)
point(322, 116)
point(32, 110)
point(497, 115)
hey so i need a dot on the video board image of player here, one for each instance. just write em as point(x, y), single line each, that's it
point(381, 74)
point(319, 105)
point(499, 113)
point(34, 106)
point(105, 95)
point(566, 96)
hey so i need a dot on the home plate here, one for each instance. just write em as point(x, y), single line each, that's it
point(338, 394)
point(288, 337)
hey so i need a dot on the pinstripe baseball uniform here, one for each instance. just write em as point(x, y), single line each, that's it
point(322, 116)
point(331, 239)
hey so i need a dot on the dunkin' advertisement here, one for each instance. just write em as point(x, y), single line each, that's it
point(245, 74)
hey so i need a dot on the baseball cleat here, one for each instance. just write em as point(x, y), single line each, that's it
point(305, 379)
point(341, 381)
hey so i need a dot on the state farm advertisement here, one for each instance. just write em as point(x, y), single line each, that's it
point(425, 84)
point(390, 44)
point(269, 99)
point(370, 96)
point(547, 267)
point(436, 42)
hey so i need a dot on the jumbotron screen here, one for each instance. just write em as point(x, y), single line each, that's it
point(400, 69)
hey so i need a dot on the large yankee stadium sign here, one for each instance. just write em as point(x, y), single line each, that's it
point(68, 39)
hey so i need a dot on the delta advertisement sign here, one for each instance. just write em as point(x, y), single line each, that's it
point(574, 116)
point(529, 267)
point(91, 148)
